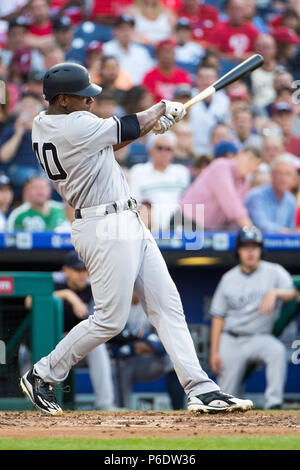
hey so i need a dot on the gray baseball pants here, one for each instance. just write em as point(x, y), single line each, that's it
point(121, 255)
point(237, 353)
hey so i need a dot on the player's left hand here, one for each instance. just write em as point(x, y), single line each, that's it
point(174, 109)
point(267, 304)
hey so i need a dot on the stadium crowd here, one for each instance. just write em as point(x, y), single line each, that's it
point(237, 152)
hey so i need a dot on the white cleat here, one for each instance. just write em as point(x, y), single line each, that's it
point(217, 402)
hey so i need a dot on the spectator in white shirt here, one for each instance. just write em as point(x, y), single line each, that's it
point(159, 181)
point(188, 53)
point(209, 112)
point(133, 58)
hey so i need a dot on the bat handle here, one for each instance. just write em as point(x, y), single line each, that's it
point(201, 96)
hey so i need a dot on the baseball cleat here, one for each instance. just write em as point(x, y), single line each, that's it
point(217, 401)
point(40, 393)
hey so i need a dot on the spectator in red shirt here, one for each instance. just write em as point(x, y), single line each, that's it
point(284, 115)
point(39, 34)
point(203, 18)
point(163, 79)
point(235, 37)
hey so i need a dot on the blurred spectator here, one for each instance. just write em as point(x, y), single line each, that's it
point(153, 22)
point(288, 50)
point(17, 29)
point(136, 99)
point(38, 213)
point(111, 78)
point(272, 147)
point(40, 30)
point(66, 226)
point(17, 158)
point(225, 149)
point(188, 53)
point(184, 150)
point(235, 38)
point(244, 308)
point(219, 133)
point(244, 133)
point(239, 98)
point(104, 105)
point(163, 79)
point(252, 17)
point(34, 85)
point(160, 181)
point(73, 287)
point(283, 114)
point(203, 18)
point(6, 199)
point(133, 58)
point(200, 163)
point(288, 18)
point(63, 33)
point(221, 189)
point(141, 357)
point(262, 79)
point(209, 112)
point(53, 55)
point(93, 57)
point(272, 207)
point(211, 59)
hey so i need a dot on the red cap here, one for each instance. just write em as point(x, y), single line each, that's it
point(283, 34)
point(94, 46)
point(238, 94)
point(165, 43)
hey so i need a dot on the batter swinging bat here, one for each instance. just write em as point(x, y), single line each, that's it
point(233, 75)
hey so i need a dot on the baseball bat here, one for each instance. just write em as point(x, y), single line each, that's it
point(233, 75)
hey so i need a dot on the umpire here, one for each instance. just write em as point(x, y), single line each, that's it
point(244, 308)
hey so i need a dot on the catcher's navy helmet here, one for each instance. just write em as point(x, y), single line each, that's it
point(249, 234)
point(68, 78)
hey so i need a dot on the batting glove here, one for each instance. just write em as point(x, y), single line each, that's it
point(175, 109)
point(163, 124)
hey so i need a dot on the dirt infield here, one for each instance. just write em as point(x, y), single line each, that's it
point(94, 424)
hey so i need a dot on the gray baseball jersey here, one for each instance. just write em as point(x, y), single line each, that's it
point(76, 152)
point(238, 296)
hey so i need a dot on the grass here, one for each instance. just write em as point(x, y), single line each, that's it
point(195, 443)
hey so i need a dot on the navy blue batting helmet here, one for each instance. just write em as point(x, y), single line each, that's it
point(249, 234)
point(68, 78)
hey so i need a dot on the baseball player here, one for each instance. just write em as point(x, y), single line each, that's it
point(76, 150)
point(245, 305)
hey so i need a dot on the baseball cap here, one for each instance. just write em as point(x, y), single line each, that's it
point(73, 261)
point(4, 180)
point(125, 19)
point(165, 43)
point(62, 24)
point(283, 34)
point(94, 46)
point(182, 90)
point(35, 76)
point(224, 147)
point(281, 106)
point(183, 23)
point(238, 94)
